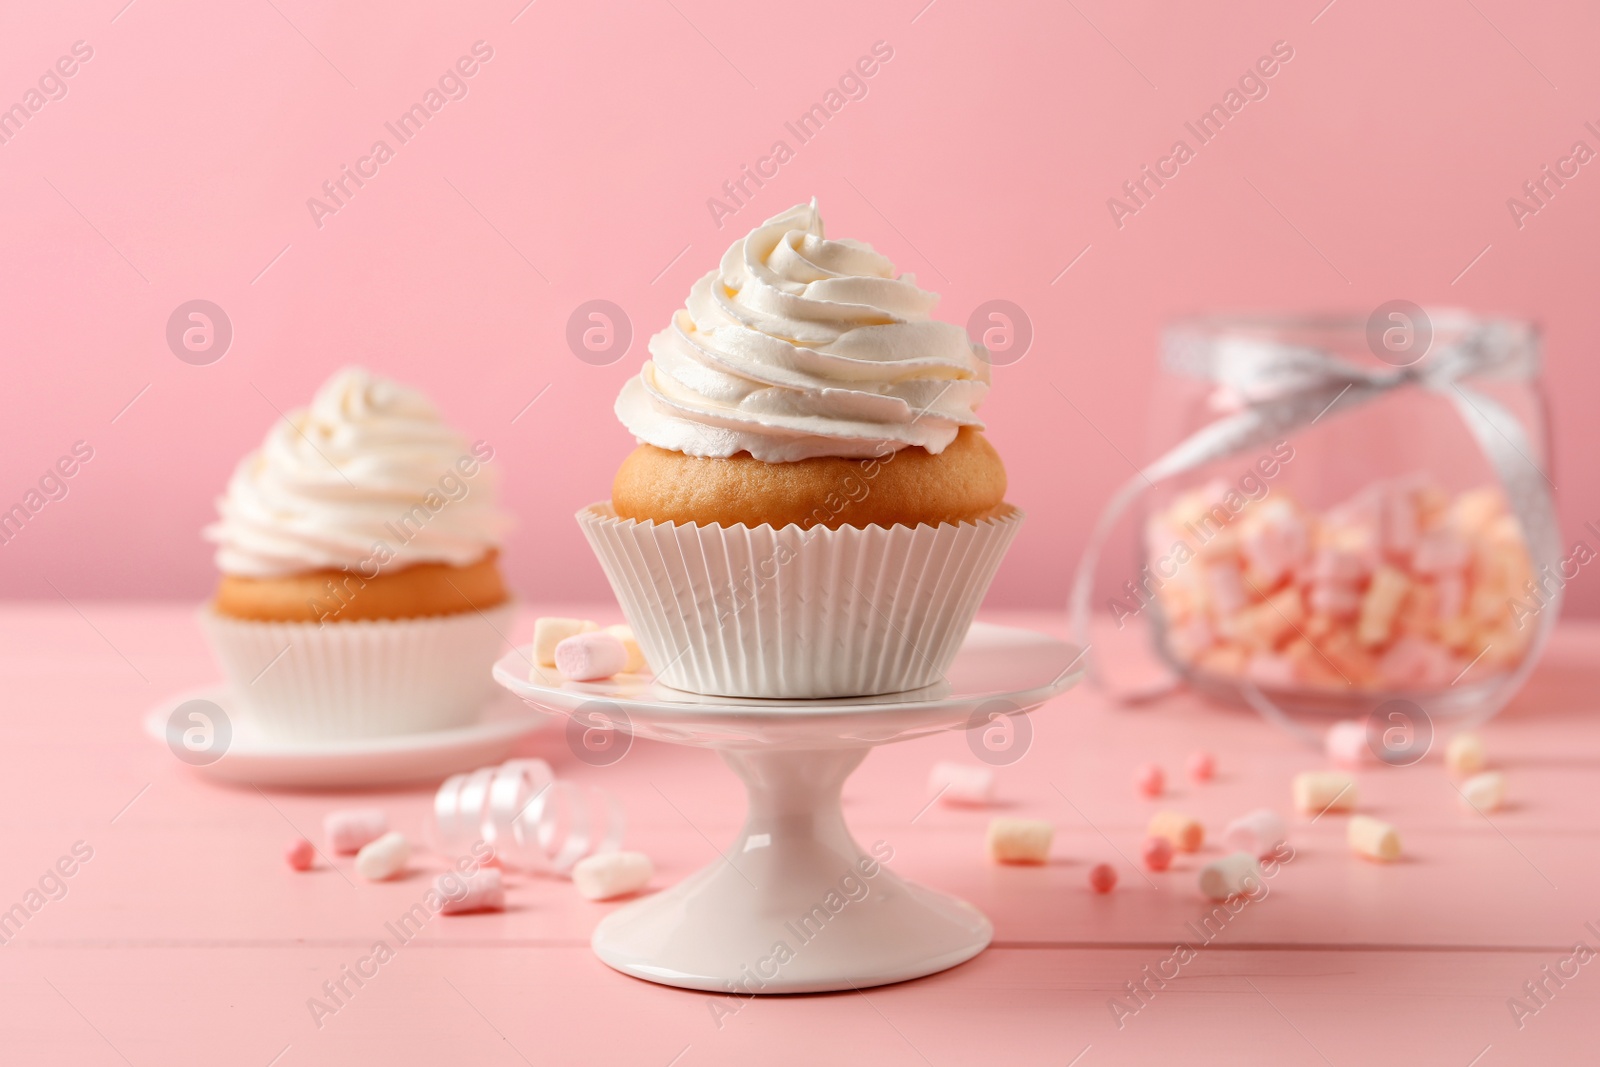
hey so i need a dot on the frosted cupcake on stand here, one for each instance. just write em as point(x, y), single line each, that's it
point(360, 592)
point(813, 510)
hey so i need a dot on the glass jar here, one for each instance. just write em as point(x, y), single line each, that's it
point(1349, 511)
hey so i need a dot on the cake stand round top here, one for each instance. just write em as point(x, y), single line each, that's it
point(1000, 670)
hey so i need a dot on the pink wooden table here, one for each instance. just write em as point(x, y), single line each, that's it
point(185, 939)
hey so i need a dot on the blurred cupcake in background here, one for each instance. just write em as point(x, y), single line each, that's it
point(361, 594)
point(813, 509)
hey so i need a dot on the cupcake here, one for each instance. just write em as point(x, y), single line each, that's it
point(360, 594)
point(812, 509)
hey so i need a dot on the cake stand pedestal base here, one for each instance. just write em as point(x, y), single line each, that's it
point(795, 905)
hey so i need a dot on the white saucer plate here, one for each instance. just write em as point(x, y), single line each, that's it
point(357, 763)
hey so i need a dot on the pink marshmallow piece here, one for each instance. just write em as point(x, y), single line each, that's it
point(482, 890)
point(1335, 599)
point(962, 784)
point(1339, 566)
point(591, 657)
point(348, 829)
point(1441, 552)
point(1156, 853)
point(299, 854)
point(1226, 585)
point(1202, 766)
point(1346, 743)
point(1277, 544)
point(1150, 780)
point(1102, 878)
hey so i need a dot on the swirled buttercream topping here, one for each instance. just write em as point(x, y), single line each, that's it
point(366, 477)
point(800, 346)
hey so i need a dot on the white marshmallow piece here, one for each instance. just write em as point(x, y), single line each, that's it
point(630, 645)
point(590, 657)
point(1318, 791)
point(606, 875)
point(348, 829)
point(1230, 876)
point(1484, 792)
point(1465, 754)
point(1373, 838)
point(1346, 743)
point(384, 858)
point(962, 784)
point(1259, 833)
point(1020, 840)
point(482, 890)
point(550, 631)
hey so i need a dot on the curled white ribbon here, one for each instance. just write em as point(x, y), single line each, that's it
point(1279, 388)
point(533, 820)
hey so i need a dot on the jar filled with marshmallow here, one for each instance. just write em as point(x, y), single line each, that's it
point(1346, 511)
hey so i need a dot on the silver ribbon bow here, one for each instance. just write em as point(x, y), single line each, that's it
point(533, 820)
point(1279, 388)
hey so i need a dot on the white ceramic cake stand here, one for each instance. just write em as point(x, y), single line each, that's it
point(794, 876)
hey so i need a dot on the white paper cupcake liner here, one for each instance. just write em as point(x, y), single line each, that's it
point(304, 681)
point(791, 613)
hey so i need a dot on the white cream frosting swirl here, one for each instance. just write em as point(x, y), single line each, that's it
point(366, 477)
point(798, 346)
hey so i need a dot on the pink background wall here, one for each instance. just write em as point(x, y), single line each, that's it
point(578, 166)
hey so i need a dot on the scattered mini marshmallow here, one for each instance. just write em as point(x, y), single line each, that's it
point(1318, 791)
point(1102, 878)
point(606, 875)
point(589, 657)
point(1373, 838)
point(630, 644)
point(1020, 840)
point(1346, 743)
point(549, 631)
point(1156, 853)
point(962, 783)
point(1202, 766)
point(348, 829)
point(1150, 780)
point(1484, 792)
point(384, 858)
point(299, 854)
point(1231, 876)
point(1259, 833)
point(1465, 754)
point(482, 890)
point(1185, 833)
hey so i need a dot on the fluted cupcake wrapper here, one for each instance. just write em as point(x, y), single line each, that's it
point(794, 614)
point(304, 681)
